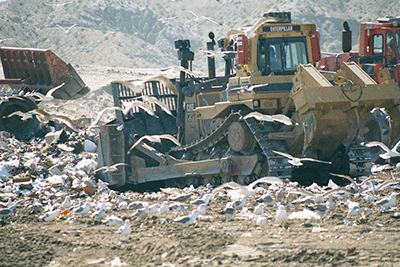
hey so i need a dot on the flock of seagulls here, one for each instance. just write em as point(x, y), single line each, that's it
point(139, 85)
point(44, 117)
point(389, 153)
point(268, 200)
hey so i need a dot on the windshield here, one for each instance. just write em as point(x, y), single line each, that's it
point(281, 55)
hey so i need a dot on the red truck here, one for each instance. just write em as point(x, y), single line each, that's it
point(379, 47)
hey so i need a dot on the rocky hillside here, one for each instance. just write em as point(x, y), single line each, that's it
point(132, 33)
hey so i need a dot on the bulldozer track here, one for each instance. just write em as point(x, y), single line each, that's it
point(360, 160)
point(212, 138)
point(277, 164)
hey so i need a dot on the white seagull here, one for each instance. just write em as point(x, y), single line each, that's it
point(202, 209)
point(139, 85)
point(66, 30)
point(49, 94)
point(165, 20)
point(201, 19)
point(259, 209)
point(129, 105)
point(112, 220)
point(230, 209)
point(49, 216)
point(82, 210)
point(24, 115)
point(298, 161)
point(354, 209)
point(125, 230)
point(269, 118)
point(281, 215)
point(189, 219)
point(155, 139)
point(67, 203)
point(164, 208)
point(112, 168)
point(389, 153)
point(267, 198)
point(141, 213)
point(8, 39)
point(203, 200)
point(319, 198)
point(153, 100)
point(213, 54)
point(101, 113)
point(45, 117)
point(179, 68)
point(249, 190)
point(99, 214)
point(387, 202)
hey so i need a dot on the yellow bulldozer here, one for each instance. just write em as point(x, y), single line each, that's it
point(271, 106)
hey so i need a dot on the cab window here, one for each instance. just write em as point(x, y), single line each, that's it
point(281, 55)
point(390, 49)
point(397, 35)
point(377, 47)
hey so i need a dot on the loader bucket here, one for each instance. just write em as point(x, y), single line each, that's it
point(40, 70)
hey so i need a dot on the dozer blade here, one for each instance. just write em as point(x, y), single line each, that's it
point(40, 70)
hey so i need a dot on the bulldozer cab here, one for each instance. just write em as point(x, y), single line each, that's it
point(281, 56)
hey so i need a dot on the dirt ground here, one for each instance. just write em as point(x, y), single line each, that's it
point(211, 241)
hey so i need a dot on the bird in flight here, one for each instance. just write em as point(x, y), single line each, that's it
point(389, 153)
point(8, 39)
point(155, 139)
point(319, 198)
point(45, 117)
point(112, 168)
point(100, 114)
point(128, 106)
point(180, 68)
point(201, 19)
point(153, 100)
point(298, 161)
point(212, 54)
point(67, 30)
point(60, 5)
point(249, 190)
point(269, 118)
point(138, 86)
point(49, 94)
point(165, 20)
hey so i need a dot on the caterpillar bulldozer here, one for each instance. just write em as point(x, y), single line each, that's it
point(26, 71)
point(270, 68)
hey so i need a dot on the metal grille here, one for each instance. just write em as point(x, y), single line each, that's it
point(152, 88)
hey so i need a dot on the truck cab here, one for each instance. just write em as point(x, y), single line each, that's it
point(378, 48)
point(380, 44)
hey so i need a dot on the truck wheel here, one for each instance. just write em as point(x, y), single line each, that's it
point(21, 129)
